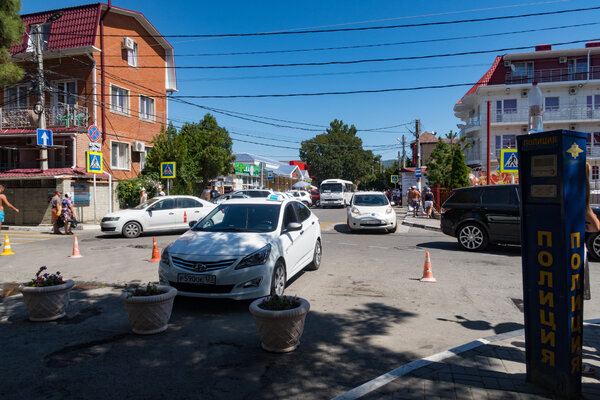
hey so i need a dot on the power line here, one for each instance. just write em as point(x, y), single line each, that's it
point(312, 64)
point(371, 45)
point(368, 28)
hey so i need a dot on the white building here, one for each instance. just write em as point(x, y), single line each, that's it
point(570, 83)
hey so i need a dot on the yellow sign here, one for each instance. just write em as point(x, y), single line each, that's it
point(394, 178)
point(94, 162)
point(167, 170)
point(574, 150)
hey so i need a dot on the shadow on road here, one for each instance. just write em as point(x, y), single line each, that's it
point(503, 250)
point(480, 325)
point(343, 228)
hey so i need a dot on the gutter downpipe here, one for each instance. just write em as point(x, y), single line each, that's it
point(588, 65)
point(102, 76)
point(94, 90)
point(110, 205)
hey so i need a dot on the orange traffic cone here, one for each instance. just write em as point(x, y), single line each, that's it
point(76, 253)
point(184, 216)
point(155, 252)
point(7, 251)
point(427, 272)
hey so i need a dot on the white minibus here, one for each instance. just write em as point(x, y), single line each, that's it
point(336, 192)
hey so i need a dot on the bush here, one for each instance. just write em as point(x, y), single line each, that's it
point(130, 190)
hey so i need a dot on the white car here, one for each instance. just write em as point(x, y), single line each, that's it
point(371, 210)
point(302, 195)
point(156, 214)
point(243, 249)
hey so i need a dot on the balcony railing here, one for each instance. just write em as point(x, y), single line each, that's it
point(472, 155)
point(60, 115)
point(567, 113)
point(551, 75)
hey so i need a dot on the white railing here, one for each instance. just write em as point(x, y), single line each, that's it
point(567, 113)
point(551, 75)
point(65, 115)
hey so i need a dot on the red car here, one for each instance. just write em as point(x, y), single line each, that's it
point(315, 197)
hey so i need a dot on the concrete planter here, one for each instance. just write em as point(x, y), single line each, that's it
point(280, 331)
point(150, 314)
point(47, 303)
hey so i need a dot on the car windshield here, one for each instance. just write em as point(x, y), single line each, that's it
point(331, 187)
point(370, 200)
point(146, 204)
point(258, 193)
point(240, 218)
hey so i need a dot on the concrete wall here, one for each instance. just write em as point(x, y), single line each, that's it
point(32, 198)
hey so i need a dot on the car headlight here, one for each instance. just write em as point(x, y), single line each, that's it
point(355, 210)
point(107, 219)
point(164, 257)
point(389, 210)
point(257, 258)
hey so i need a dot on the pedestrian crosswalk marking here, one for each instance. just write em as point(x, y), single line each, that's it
point(95, 164)
point(512, 161)
point(167, 170)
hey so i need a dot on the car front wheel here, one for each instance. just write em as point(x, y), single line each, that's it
point(278, 279)
point(593, 247)
point(472, 237)
point(132, 230)
point(318, 253)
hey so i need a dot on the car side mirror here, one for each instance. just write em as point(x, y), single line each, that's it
point(192, 223)
point(293, 226)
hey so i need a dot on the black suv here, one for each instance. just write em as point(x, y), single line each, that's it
point(479, 215)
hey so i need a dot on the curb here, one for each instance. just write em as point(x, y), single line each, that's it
point(422, 226)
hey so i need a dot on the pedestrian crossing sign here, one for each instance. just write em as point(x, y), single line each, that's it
point(94, 162)
point(167, 170)
point(509, 161)
point(394, 178)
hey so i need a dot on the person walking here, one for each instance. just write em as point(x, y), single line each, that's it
point(56, 210)
point(413, 198)
point(143, 196)
point(3, 201)
point(160, 191)
point(214, 192)
point(68, 214)
point(428, 203)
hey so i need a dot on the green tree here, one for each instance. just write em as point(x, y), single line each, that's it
point(446, 165)
point(168, 146)
point(459, 171)
point(438, 165)
point(208, 150)
point(338, 153)
point(11, 32)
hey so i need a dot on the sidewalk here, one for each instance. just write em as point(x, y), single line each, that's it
point(417, 222)
point(46, 228)
point(490, 368)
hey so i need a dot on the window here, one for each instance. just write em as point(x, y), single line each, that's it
point(15, 97)
point(119, 155)
point(577, 69)
point(184, 202)
point(65, 92)
point(505, 142)
point(503, 196)
point(523, 71)
point(143, 158)
point(166, 204)
point(132, 55)
point(146, 108)
point(467, 196)
point(36, 29)
point(508, 106)
point(593, 104)
point(551, 104)
point(119, 99)
point(289, 215)
point(595, 172)
point(302, 210)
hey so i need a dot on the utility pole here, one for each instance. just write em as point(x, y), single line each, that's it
point(418, 148)
point(403, 151)
point(40, 107)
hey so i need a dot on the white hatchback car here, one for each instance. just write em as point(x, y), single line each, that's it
point(243, 249)
point(371, 210)
point(302, 195)
point(156, 214)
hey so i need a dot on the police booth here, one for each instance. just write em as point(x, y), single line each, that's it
point(552, 187)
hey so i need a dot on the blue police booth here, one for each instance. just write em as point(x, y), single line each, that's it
point(552, 188)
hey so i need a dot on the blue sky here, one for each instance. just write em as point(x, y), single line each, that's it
point(366, 111)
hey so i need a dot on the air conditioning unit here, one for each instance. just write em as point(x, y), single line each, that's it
point(572, 127)
point(524, 129)
point(128, 43)
point(139, 147)
point(573, 91)
point(524, 93)
point(507, 63)
point(562, 60)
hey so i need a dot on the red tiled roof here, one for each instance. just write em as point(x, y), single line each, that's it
point(53, 172)
point(76, 28)
point(33, 131)
point(494, 76)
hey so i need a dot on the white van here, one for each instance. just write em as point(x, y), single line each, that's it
point(336, 192)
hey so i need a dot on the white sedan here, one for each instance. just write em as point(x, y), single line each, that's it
point(371, 210)
point(157, 214)
point(243, 249)
point(303, 196)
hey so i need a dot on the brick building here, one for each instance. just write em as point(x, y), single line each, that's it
point(92, 56)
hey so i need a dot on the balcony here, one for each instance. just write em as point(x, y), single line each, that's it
point(551, 75)
point(60, 115)
point(472, 155)
point(567, 113)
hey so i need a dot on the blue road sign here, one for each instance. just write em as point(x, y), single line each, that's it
point(270, 175)
point(44, 137)
point(509, 161)
point(94, 162)
point(394, 178)
point(167, 169)
point(94, 133)
point(417, 172)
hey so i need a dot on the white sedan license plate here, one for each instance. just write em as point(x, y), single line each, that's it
point(197, 279)
point(372, 222)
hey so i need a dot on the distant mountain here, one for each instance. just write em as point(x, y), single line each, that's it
point(388, 163)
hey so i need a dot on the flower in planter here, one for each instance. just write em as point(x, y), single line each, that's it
point(279, 303)
point(45, 279)
point(149, 290)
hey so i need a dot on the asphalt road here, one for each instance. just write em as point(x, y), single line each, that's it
point(369, 314)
